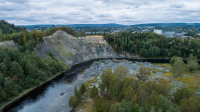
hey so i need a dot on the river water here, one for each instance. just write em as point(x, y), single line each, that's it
point(50, 98)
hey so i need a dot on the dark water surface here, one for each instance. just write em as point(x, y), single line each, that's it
point(47, 98)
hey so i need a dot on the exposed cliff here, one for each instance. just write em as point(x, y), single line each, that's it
point(9, 43)
point(72, 50)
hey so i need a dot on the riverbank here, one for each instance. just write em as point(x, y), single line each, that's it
point(95, 69)
point(159, 71)
point(5, 105)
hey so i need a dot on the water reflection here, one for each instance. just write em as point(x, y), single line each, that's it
point(49, 97)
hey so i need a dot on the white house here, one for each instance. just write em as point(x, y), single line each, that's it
point(158, 31)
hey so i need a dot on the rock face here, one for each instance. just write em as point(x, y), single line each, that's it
point(9, 44)
point(72, 50)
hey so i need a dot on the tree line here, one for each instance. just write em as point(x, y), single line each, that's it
point(52, 30)
point(21, 68)
point(151, 45)
point(7, 28)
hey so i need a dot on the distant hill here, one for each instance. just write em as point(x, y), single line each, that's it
point(7, 28)
point(117, 25)
point(77, 25)
point(165, 24)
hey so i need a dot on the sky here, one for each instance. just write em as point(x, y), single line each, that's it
point(126, 12)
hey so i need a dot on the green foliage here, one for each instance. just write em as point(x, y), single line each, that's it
point(152, 109)
point(106, 77)
point(94, 92)
point(182, 93)
point(116, 86)
point(73, 101)
point(136, 108)
point(101, 105)
point(7, 28)
point(121, 72)
point(52, 30)
point(178, 68)
point(116, 107)
point(22, 70)
point(82, 89)
point(191, 33)
point(163, 87)
point(142, 94)
point(153, 100)
point(191, 104)
point(173, 59)
point(143, 74)
point(192, 65)
point(77, 94)
point(129, 81)
point(151, 45)
point(191, 58)
point(129, 93)
point(165, 104)
point(127, 106)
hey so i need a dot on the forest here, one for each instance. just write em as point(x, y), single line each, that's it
point(118, 91)
point(152, 45)
point(21, 68)
point(7, 28)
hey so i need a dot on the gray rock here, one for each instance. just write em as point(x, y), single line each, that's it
point(186, 76)
point(160, 73)
point(61, 94)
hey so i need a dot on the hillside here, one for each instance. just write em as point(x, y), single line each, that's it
point(78, 25)
point(10, 44)
point(7, 28)
point(72, 50)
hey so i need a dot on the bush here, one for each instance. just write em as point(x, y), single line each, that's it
point(73, 101)
point(192, 65)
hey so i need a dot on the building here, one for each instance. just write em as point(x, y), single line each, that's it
point(185, 37)
point(158, 31)
point(88, 33)
point(169, 34)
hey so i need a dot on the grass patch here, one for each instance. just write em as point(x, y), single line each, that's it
point(89, 82)
point(164, 65)
point(167, 74)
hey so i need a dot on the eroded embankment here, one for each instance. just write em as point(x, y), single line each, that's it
point(9, 44)
point(72, 50)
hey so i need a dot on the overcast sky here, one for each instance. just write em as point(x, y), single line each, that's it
point(127, 12)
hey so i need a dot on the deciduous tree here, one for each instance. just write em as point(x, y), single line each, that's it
point(143, 74)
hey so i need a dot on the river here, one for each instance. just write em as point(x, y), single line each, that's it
point(53, 96)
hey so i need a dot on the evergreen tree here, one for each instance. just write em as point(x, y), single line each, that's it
point(127, 106)
point(82, 89)
point(73, 101)
point(77, 94)
point(94, 92)
point(116, 107)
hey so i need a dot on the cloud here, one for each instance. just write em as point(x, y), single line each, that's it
point(180, 5)
point(23, 12)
